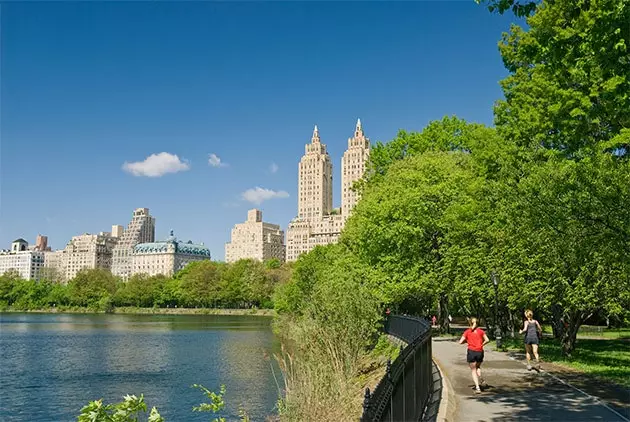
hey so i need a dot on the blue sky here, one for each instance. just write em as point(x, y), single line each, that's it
point(89, 86)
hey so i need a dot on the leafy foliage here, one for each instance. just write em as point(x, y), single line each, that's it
point(129, 410)
point(133, 408)
point(243, 284)
point(569, 85)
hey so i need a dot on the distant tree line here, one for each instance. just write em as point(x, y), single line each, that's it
point(203, 284)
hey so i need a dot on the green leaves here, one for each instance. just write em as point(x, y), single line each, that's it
point(129, 410)
point(132, 408)
point(216, 403)
point(569, 84)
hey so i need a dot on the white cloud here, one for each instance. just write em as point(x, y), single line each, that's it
point(156, 165)
point(273, 168)
point(257, 195)
point(215, 161)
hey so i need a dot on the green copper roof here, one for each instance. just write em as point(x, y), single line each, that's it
point(180, 247)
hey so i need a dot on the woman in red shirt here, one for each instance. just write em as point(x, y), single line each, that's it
point(476, 339)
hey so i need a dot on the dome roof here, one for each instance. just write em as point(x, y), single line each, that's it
point(180, 247)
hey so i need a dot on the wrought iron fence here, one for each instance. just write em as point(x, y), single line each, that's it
point(405, 391)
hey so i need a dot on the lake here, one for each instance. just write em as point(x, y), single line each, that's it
point(53, 364)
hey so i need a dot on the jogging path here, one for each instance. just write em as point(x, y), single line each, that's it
point(514, 393)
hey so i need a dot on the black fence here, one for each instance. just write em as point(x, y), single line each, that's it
point(405, 392)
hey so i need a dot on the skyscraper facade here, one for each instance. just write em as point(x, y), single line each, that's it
point(317, 222)
point(255, 239)
point(315, 180)
point(141, 229)
point(353, 165)
point(86, 251)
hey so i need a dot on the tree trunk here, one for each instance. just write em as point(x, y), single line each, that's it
point(557, 322)
point(445, 326)
point(569, 336)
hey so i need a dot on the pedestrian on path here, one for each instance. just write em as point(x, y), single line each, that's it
point(533, 332)
point(476, 338)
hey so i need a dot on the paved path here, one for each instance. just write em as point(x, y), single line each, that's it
point(514, 393)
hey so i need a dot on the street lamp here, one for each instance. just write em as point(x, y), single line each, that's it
point(497, 329)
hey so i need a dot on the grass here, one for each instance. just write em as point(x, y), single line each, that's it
point(607, 359)
point(595, 331)
point(324, 380)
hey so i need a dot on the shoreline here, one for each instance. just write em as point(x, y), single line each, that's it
point(128, 310)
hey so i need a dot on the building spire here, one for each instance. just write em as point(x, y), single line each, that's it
point(358, 132)
point(315, 137)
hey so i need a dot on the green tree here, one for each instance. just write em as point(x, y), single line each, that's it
point(569, 84)
point(200, 284)
point(519, 8)
point(141, 290)
point(569, 239)
point(7, 282)
point(89, 287)
point(244, 283)
point(308, 270)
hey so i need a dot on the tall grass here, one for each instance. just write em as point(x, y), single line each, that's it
point(329, 338)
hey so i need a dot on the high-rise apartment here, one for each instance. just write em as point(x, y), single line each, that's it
point(27, 263)
point(88, 251)
point(315, 180)
point(85, 251)
point(353, 165)
point(255, 239)
point(41, 243)
point(141, 229)
point(117, 230)
point(317, 223)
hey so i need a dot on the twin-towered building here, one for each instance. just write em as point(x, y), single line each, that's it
point(317, 222)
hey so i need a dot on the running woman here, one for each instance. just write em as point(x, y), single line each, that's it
point(532, 330)
point(476, 339)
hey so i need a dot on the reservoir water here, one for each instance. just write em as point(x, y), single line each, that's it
point(53, 364)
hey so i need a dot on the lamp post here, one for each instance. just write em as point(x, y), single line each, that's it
point(497, 329)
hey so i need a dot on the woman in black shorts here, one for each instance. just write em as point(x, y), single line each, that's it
point(476, 339)
point(533, 332)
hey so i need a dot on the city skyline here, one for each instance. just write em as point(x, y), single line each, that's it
point(86, 104)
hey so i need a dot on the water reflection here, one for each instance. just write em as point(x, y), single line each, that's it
point(52, 364)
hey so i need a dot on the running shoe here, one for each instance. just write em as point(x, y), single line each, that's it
point(529, 367)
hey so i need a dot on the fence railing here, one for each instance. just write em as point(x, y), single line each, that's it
point(404, 393)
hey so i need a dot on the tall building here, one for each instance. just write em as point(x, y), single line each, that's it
point(27, 263)
point(317, 223)
point(315, 180)
point(255, 239)
point(166, 257)
point(54, 266)
point(88, 251)
point(41, 244)
point(117, 230)
point(353, 165)
point(141, 229)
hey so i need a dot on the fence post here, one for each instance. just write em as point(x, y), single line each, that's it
point(366, 405)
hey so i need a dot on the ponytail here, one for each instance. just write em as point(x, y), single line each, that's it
point(472, 323)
